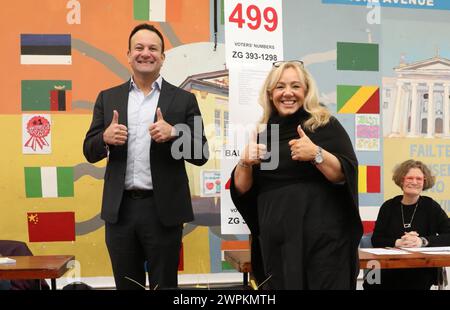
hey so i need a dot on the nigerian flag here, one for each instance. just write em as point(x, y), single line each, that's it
point(49, 182)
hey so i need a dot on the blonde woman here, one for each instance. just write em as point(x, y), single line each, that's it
point(303, 215)
point(410, 220)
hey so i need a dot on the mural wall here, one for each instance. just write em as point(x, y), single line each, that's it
point(383, 71)
point(383, 68)
point(59, 55)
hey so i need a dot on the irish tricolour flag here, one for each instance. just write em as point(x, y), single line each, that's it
point(153, 10)
point(48, 182)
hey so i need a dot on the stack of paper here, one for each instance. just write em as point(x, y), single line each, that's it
point(444, 250)
point(7, 260)
point(382, 251)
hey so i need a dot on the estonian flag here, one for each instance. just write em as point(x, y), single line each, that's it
point(45, 49)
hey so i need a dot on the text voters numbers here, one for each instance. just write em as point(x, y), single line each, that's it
point(253, 14)
point(256, 56)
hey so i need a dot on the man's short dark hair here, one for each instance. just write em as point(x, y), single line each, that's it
point(149, 28)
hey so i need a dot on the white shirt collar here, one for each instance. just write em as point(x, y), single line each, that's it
point(157, 83)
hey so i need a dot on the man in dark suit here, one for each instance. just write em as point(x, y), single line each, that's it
point(138, 126)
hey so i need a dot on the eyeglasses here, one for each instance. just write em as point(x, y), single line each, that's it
point(411, 179)
point(279, 63)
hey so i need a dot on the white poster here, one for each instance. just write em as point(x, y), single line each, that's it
point(253, 31)
point(210, 183)
point(36, 134)
point(253, 41)
point(231, 221)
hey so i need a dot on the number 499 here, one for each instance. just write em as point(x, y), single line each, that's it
point(253, 14)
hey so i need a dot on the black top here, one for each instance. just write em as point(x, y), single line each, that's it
point(430, 221)
point(333, 138)
point(289, 171)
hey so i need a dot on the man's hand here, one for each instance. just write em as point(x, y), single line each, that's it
point(115, 134)
point(160, 131)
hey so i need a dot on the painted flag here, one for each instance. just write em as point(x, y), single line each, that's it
point(367, 132)
point(352, 99)
point(49, 182)
point(45, 49)
point(357, 56)
point(368, 226)
point(51, 226)
point(368, 216)
point(153, 10)
point(160, 10)
point(222, 12)
point(231, 246)
point(46, 95)
point(369, 179)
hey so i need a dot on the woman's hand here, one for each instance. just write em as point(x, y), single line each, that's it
point(251, 155)
point(409, 240)
point(253, 152)
point(302, 149)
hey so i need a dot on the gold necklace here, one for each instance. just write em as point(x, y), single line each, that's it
point(408, 225)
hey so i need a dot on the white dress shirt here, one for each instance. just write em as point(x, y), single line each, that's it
point(141, 113)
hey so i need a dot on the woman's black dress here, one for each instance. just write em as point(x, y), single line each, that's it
point(308, 228)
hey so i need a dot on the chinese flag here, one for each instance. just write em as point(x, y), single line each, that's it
point(51, 226)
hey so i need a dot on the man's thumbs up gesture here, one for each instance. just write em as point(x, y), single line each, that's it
point(161, 131)
point(115, 134)
point(302, 149)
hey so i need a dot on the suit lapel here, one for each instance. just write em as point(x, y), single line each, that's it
point(165, 98)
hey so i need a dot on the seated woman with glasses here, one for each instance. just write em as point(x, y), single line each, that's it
point(410, 221)
point(303, 212)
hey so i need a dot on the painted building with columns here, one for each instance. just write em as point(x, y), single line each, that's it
point(416, 102)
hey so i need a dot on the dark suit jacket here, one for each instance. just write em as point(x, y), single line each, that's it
point(170, 182)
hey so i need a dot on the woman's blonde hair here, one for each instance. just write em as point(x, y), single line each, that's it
point(319, 114)
point(401, 170)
